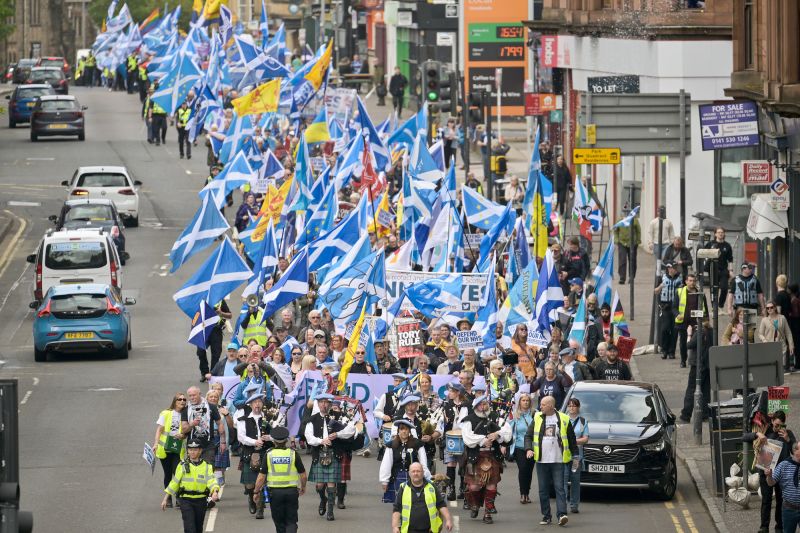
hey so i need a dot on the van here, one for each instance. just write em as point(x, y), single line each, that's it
point(76, 256)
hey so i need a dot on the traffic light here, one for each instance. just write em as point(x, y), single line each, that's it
point(475, 106)
point(431, 80)
point(448, 94)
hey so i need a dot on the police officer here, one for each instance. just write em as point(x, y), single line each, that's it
point(281, 470)
point(131, 68)
point(192, 483)
point(666, 291)
point(158, 119)
point(181, 120)
point(745, 291)
point(686, 300)
point(142, 71)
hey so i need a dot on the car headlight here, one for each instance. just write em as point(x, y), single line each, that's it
point(657, 446)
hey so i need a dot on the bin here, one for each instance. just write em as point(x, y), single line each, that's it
point(725, 428)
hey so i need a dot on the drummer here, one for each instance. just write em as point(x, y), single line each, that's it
point(403, 451)
point(455, 410)
point(385, 409)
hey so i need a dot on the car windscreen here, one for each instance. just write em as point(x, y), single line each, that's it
point(48, 75)
point(89, 213)
point(65, 303)
point(59, 105)
point(51, 62)
point(34, 92)
point(102, 180)
point(75, 255)
point(631, 406)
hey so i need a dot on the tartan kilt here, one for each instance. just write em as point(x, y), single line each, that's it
point(221, 459)
point(346, 460)
point(249, 475)
point(326, 474)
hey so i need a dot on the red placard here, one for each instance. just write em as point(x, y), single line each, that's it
point(409, 344)
point(757, 173)
point(625, 346)
point(539, 103)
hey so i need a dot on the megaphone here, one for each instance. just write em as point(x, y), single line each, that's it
point(252, 300)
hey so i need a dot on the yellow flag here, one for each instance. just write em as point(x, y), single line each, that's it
point(317, 73)
point(211, 10)
point(197, 7)
point(262, 99)
point(383, 207)
point(352, 346)
point(271, 207)
point(539, 225)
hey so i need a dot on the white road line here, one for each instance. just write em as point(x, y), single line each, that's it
point(25, 398)
point(13, 286)
point(212, 520)
point(17, 203)
point(35, 381)
point(5, 259)
point(40, 159)
point(456, 523)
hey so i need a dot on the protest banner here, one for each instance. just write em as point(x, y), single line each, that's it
point(778, 399)
point(536, 337)
point(469, 339)
point(398, 281)
point(149, 456)
point(409, 341)
point(339, 103)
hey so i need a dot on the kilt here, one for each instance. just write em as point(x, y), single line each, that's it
point(326, 474)
point(221, 460)
point(347, 458)
point(249, 475)
point(486, 471)
point(391, 491)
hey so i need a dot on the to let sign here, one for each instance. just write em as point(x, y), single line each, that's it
point(757, 172)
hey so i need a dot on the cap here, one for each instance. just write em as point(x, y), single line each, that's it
point(279, 433)
point(319, 333)
point(746, 264)
point(408, 399)
point(669, 264)
point(479, 400)
point(404, 422)
point(256, 396)
point(456, 387)
point(325, 396)
point(399, 375)
point(479, 388)
point(194, 443)
point(280, 328)
point(233, 346)
point(576, 281)
point(252, 388)
point(567, 351)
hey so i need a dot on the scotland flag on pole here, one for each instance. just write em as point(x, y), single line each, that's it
point(434, 294)
point(206, 225)
point(237, 173)
point(203, 323)
point(292, 285)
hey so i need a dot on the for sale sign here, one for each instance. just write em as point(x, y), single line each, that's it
point(757, 172)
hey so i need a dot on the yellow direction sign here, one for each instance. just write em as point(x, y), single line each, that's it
point(591, 134)
point(596, 156)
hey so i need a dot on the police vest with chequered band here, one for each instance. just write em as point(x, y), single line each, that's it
point(668, 287)
point(281, 472)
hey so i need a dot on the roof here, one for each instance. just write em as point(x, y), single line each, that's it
point(613, 385)
point(46, 69)
point(78, 288)
point(89, 234)
point(103, 169)
point(52, 57)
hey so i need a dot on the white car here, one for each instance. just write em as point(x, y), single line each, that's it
point(111, 183)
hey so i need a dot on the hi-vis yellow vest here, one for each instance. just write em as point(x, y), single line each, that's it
point(281, 472)
point(430, 502)
point(563, 423)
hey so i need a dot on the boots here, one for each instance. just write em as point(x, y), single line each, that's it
point(461, 489)
point(341, 491)
point(251, 503)
point(451, 491)
point(472, 502)
point(331, 500)
point(489, 502)
point(260, 509)
point(323, 501)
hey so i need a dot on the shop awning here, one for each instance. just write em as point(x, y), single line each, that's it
point(764, 221)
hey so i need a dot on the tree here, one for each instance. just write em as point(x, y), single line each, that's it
point(98, 10)
point(7, 10)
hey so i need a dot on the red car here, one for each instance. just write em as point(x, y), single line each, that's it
point(54, 61)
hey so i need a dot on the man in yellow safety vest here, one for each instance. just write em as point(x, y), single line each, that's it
point(419, 506)
point(193, 482)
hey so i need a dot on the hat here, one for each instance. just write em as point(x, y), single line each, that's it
point(669, 264)
point(408, 399)
point(256, 396)
point(458, 387)
point(279, 433)
point(479, 400)
point(576, 281)
point(325, 396)
point(319, 333)
point(233, 346)
point(746, 264)
point(403, 422)
point(479, 388)
point(463, 320)
point(567, 351)
point(280, 328)
point(194, 443)
point(399, 375)
point(253, 388)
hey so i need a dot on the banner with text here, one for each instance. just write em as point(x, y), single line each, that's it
point(398, 281)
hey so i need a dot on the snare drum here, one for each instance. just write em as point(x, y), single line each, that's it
point(386, 433)
point(454, 442)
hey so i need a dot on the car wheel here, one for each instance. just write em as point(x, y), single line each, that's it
point(122, 353)
point(34, 137)
point(12, 123)
point(670, 482)
point(40, 356)
point(82, 136)
point(133, 222)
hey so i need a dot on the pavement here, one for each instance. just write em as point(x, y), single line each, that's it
point(84, 419)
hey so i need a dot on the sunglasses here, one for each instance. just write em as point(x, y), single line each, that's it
point(361, 353)
point(770, 307)
point(181, 400)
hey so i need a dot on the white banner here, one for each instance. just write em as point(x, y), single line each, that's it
point(469, 339)
point(399, 280)
point(340, 103)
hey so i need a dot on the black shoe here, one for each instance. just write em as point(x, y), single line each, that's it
point(473, 512)
point(202, 379)
point(622, 282)
point(545, 521)
point(683, 364)
point(189, 156)
point(574, 510)
point(671, 356)
point(260, 512)
point(492, 510)
point(329, 517)
point(451, 493)
point(251, 504)
point(466, 506)
point(341, 490)
point(460, 494)
point(323, 502)
point(181, 156)
point(685, 419)
point(663, 356)
point(487, 519)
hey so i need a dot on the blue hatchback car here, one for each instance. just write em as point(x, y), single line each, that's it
point(88, 317)
point(22, 101)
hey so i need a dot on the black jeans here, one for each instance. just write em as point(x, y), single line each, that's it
point(691, 386)
point(170, 464)
point(682, 338)
point(283, 504)
point(766, 502)
point(666, 326)
point(624, 251)
point(183, 138)
point(131, 81)
point(525, 473)
point(397, 103)
point(562, 196)
point(193, 512)
point(159, 122)
point(215, 345)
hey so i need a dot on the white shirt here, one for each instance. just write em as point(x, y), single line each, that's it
point(472, 439)
point(241, 430)
point(385, 473)
point(551, 451)
point(173, 427)
point(348, 431)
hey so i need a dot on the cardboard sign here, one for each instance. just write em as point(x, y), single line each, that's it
point(409, 341)
point(778, 399)
point(149, 456)
point(536, 338)
point(469, 339)
point(625, 346)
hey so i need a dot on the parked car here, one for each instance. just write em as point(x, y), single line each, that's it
point(92, 213)
point(8, 73)
point(23, 70)
point(633, 438)
point(113, 183)
point(54, 61)
point(22, 101)
point(86, 317)
point(76, 256)
point(52, 75)
point(57, 115)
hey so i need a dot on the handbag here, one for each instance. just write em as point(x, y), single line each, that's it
point(255, 460)
point(173, 445)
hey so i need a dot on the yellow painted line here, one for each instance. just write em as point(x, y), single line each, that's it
point(5, 259)
point(669, 505)
point(681, 501)
point(677, 523)
point(687, 516)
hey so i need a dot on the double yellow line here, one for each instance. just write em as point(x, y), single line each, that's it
point(681, 516)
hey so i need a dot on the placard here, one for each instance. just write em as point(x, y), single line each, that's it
point(149, 456)
point(339, 103)
point(469, 339)
point(625, 346)
point(757, 172)
point(536, 337)
point(409, 341)
point(398, 281)
point(778, 399)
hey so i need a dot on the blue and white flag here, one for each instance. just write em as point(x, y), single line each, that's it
point(239, 130)
point(264, 262)
point(385, 321)
point(328, 274)
point(549, 294)
point(236, 174)
point(407, 133)
point(383, 161)
point(481, 212)
point(175, 86)
point(217, 277)
point(272, 168)
point(520, 254)
point(437, 153)
point(292, 285)
point(288, 345)
point(203, 324)
point(628, 220)
point(486, 318)
point(204, 228)
point(603, 275)
point(434, 294)
point(335, 243)
point(421, 164)
point(351, 164)
point(263, 26)
point(520, 305)
point(320, 217)
point(578, 331)
point(119, 22)
point(504, 225)
point(276, 48)
point(258, 66)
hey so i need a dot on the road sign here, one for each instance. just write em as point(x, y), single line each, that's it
point(757, 172)
point(779, 194)
point(596, 156)
point(591, 134)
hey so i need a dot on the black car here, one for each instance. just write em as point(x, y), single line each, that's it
point(52, 75)
point(23, 70)
point(632, 438)
point(57, 115)
point(92, 213)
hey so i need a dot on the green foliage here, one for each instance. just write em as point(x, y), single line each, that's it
point(7, 10)
point(140, 9)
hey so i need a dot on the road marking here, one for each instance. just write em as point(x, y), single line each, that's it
point(105, 389)
point(40, 159)
point(687, 516)
point(677, 523)
point(669, 505)
point(456, 523)
point(212, 515)
point(189, 172)
point(15, 203)
point(35, 381)
point(25, 398)
point(5, 259)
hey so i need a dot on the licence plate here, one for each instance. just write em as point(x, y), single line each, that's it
point(30, 104)
point(80, 335)
point(58, 126)
point(607, 469)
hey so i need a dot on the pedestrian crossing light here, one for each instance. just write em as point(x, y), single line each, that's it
point(431, 79)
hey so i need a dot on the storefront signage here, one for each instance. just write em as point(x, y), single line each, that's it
point(729, 125)
point(757, 172)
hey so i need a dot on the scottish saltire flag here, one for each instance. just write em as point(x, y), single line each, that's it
point(320, 186)
point(603, 275)
point(520, 305)
point(520, 252)
point(272, 167)
point(385, 321)
point(307, 81)
point(203, 324)
point(237, 173)
point(481, 212)
point(239, 129)
point(265, 261)
point(263, 26)
point(112, 7)
point(586, 211)
point(175, 86)
point(328, 274)
point(434, 252)
point(549, 294)
point(407, 133)
point(486, 318)
point(335, 243)
point(421, 164)
point(351, 164)
point(118, 23)
point(206, 225)
point(628, 220)
point(361, 283)
point(217, 277)
point(504, 225)
point(277, 46)
point(433, 294)
point(437, 153)
point(292, 285)
point(578, 331)
point(288, 345)
point(419, 196)
point(383, 162)
point(225, 25)
point(258, 66)
point(319, 217)
point(303, 178)
point(534, 170)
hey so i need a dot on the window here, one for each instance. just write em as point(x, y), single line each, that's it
point(75, 255)
point(749, 34)
point(36, 12)
point(102, 180)
point(731, 190)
